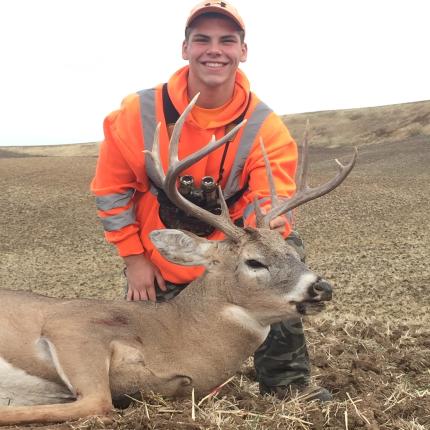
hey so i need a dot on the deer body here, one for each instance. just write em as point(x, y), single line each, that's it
point(82, 347)
point(145, 346)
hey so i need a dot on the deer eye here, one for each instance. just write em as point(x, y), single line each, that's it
point(255, 264)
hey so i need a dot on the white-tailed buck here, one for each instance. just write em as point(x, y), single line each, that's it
point(63, 359)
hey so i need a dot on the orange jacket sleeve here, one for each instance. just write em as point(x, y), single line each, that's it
point(115, 184)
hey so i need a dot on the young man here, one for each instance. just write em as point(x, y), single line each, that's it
point(131, 203)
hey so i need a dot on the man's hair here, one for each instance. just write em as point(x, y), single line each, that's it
point(215, 15)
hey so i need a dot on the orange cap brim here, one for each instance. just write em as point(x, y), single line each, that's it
point(216, 9)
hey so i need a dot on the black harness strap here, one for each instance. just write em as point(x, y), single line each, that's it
point(171, 115)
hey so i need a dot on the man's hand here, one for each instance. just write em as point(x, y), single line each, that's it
point(141, 273)
point(279, 224)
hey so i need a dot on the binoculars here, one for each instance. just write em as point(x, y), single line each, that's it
point(204, 196)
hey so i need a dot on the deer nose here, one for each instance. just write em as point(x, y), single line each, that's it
point(320, 290)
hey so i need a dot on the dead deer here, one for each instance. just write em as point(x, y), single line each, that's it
point(61, 360)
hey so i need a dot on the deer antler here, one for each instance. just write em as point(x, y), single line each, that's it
point(304, 193)
point(168, 180)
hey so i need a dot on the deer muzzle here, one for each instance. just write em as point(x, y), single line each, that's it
point(320, 291)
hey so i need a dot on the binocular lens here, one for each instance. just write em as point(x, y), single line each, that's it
point(186, 180)
point(208, 181)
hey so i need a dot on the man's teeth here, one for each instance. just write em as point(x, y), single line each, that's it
point(214, 64)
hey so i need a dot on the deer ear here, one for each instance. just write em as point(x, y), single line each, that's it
point(183, 247)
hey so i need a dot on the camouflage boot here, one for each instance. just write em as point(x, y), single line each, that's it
point(283, 358)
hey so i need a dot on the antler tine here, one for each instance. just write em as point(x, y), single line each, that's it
point(155, 155)
point(302, 170)
point(259, 216)
point(222, 222)
point(174, 140)
point(174, 165)
point(225, 214)
point(178, 166)
point(273, 194)
point(306, 194)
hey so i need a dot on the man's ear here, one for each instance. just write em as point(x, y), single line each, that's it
point(182, 247)
point(184, 50)
point(244, 55)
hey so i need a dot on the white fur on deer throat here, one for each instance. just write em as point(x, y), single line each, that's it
point(240, 316)
point(46, 351)
point(17, 387)
point(300, 291)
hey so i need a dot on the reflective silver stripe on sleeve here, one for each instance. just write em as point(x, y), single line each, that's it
point(253, 125)
point(250, 208)
point(149, 124)
point(115, 222)
point(111, 201)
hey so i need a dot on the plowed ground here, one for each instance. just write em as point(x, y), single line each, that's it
point(370, 237)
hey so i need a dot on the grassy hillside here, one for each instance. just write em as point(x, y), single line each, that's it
point(72, 150)
point(364, 126)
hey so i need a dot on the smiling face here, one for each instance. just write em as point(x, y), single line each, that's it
point(214, 50)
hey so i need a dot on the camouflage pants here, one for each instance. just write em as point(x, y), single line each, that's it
point(283, 357)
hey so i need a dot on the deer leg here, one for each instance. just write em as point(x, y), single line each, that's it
point(84, 372)
point(84, 407)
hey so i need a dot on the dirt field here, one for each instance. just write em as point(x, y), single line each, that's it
point(371, 238)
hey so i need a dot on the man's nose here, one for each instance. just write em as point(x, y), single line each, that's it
point(214, 49)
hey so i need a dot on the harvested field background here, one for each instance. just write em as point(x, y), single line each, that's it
point(370, 237)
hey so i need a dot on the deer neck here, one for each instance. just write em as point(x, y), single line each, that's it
point(209, 305)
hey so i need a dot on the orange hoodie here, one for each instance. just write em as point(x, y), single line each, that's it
point(121, 165)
